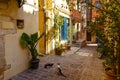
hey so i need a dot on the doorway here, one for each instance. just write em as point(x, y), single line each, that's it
point(88, 36)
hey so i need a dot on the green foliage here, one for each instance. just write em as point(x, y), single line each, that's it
point(58, 21)
point(58, 48)
point(110, 19)
point(68, 28)
point(30, 42)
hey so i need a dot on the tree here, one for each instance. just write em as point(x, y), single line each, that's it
point(109, 19)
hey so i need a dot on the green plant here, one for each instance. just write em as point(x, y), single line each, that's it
point(68, 34)
point(30, 42)
point(58, 48)
point(58, 22)
point(109, 19)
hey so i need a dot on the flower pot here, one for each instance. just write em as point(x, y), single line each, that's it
point(109, 75)
point(34, 63)
point(68, 47)
point(58, 51)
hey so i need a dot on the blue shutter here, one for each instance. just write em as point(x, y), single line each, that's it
point(64, 30)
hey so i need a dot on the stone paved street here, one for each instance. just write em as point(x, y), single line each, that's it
point(77, 64)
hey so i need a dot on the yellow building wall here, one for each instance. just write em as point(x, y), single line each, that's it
point(49, 27)
point(41, 30)
point(16, 57)
point(41, 26)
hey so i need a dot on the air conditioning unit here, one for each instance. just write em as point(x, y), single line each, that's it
point(48, 14)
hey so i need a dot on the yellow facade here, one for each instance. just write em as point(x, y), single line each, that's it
point(41, 26)
point(46, 24)
point(49, 26)
point(41, 29)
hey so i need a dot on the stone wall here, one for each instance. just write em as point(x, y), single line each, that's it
point(4, 30)
point(2, 57)
point(13, 59)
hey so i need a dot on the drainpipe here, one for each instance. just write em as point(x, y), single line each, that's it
point(44, 7)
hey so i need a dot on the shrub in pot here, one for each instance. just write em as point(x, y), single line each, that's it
point(58, 51)
point(30, 42)
point(58, 48)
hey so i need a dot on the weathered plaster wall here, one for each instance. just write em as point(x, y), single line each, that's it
point(2, 60)
point(16, 58)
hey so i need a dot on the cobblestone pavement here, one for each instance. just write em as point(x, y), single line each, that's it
point(77, 64)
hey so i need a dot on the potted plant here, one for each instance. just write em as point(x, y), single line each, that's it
point(68, 46)
point(30, 42)
point(58, 22)
point(58, 49)
point(109, 22)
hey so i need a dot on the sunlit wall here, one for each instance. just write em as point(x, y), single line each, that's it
point(16, 57)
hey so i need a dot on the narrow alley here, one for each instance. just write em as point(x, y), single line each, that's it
point(76, 64)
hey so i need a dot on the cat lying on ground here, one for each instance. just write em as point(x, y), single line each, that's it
point(48, 65)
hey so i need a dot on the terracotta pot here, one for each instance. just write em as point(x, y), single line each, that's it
point(58, 51)
point(110, 76)
point(68, 47)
